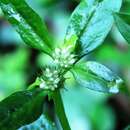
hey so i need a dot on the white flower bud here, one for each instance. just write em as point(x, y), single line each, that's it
point(50, 79)
point(72, 61)
point(63, 57)
point(57, 51)
point(56, 80)
point(42, 85)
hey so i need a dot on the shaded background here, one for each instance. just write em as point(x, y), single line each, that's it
point(86, 109)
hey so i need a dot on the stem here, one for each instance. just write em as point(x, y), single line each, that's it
point(60, 110)
point(33, 85)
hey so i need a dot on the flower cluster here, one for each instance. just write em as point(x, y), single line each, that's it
point(50, 79)
point(63, 57)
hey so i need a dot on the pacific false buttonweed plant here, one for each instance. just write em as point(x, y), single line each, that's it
point(88, 26)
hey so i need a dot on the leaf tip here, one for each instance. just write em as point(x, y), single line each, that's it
point(116, 88)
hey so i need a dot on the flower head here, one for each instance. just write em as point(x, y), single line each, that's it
point(63, 57)
point(50, 79)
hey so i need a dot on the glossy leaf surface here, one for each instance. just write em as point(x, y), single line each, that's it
point(27, 23)
point(41, 124)
point(97, 77)
point(122, 25)
point(21, 108)
point(90, 23)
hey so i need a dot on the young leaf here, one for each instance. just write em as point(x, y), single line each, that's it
point(91, 22)
point(21, 108)
point(27, 23)
point(97, 77)
point(122, 25)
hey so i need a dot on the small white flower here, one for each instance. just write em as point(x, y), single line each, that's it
point(56, 61)
point(47, 70)
point(56, 80)
point(57, 51)
point(43, 84)
point(72, 56)
point(63, 57)
point(50, 79)
point(72, 61)
point(55, 72)
point(56, 86)
point(66, 66)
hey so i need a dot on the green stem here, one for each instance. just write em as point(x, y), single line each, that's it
point(33, 85)
point(60, 110)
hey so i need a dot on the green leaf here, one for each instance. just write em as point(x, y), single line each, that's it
point(41, 124)
point(91, 22)
point(21, 108)
point(127, 128)
point(97, 77)
point(27, 23)
point(123, 27)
